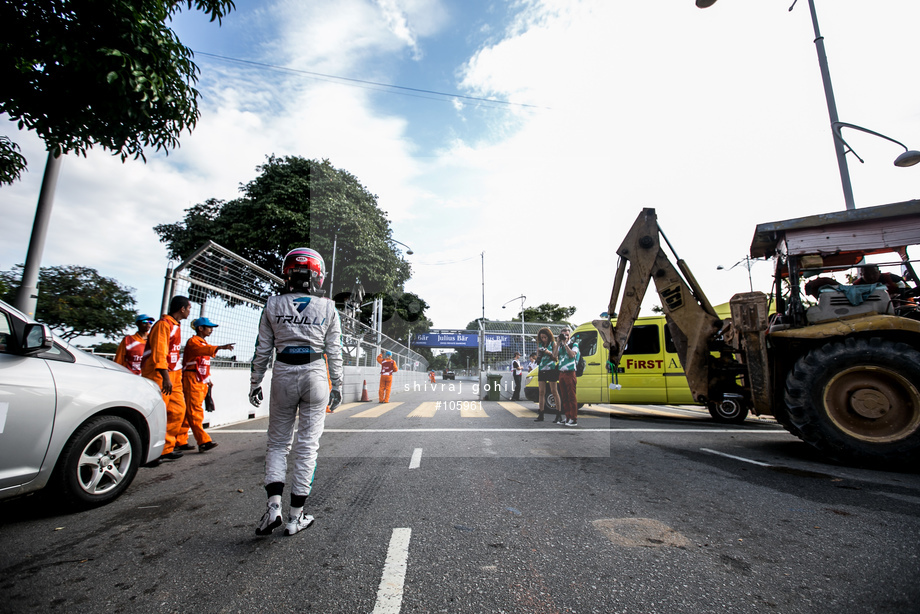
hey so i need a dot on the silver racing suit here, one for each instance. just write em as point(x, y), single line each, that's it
point(300, 328)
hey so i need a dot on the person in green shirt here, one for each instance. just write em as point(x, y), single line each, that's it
point(548, 371)
point(568, 361)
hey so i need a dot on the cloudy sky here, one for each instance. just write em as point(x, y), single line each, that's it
point(714, 117)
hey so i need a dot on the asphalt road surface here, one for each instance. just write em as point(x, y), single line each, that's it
point(439, 502)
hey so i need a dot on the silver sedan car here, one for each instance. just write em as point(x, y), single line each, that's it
point(70, 422)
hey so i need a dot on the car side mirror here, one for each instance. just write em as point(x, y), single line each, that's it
point(37, 338)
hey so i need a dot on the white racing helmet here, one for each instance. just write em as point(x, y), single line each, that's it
point(303, 270)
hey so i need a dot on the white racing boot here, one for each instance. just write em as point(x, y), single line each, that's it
point(297, 523)
point(271, 520)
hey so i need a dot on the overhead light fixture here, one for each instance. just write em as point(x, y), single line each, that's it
point(908, 158)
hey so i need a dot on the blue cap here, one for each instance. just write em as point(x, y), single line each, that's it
point(143, 317)
point(203, 322)
point(389, 353)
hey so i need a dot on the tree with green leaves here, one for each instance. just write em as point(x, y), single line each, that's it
point(439, 363)
point(296, 202)
point(97, 72)
point(77, 301)
point(403, 316)
point(106, 347)
point(547, 313)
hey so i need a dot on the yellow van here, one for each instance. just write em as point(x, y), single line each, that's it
point(650, 372)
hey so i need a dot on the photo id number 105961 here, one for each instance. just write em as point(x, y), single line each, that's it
point(459, 405)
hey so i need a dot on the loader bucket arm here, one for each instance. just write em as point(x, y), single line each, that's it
point(691, 318)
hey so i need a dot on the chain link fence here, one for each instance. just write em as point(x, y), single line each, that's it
point(498, 343)
point(503, 339)
point(230, 291)
point(361, 344)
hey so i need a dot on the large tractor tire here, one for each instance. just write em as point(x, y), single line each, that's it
point(858, 400)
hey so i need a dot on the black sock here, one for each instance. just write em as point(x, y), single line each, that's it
point(298, 500)
point(275, 488)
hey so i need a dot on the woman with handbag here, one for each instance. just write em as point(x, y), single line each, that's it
point(548, 373)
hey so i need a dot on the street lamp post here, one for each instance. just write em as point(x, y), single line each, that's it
point(748, 263)
point(908, 158)
point(335, 243)
point(409, 251)
point(27, 295)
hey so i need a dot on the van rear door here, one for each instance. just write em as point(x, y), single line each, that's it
point(592, 385)
point(642, 367)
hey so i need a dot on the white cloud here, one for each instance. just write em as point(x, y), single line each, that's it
point(338, 36)
point(398, 24)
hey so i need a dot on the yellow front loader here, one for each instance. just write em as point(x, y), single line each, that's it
point(843, 377)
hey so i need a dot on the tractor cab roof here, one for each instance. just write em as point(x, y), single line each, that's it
point(841, 238)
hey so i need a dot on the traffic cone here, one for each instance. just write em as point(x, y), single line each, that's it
point(364, 396)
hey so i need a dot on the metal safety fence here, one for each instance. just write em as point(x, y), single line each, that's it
point(500, 340)
point(361, 344)
point(231, 291)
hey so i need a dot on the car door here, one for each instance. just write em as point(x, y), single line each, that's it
point(27, 405)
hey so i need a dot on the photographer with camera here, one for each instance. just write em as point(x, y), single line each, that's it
point(568, 361)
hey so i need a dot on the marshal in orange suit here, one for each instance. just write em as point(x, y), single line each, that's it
point(196, 378)
point(387, 369)
point(161, 364)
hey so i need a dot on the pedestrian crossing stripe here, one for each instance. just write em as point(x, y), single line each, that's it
point(376, 412)
point(476, 409)
point(425, 410)
point(517, 409)
point(635, 410)
point(522, 412)
point(346, 406)
point(684, 413)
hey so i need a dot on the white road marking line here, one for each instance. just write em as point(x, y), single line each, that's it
point(390, 593)
point(571, 431)
point(742, 459)
point(535, 430)
point(220, 430)
point(416, 459)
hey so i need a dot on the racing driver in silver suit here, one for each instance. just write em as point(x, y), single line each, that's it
point(300, 326)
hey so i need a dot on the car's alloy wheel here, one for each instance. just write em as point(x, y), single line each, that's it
point(99, 462)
